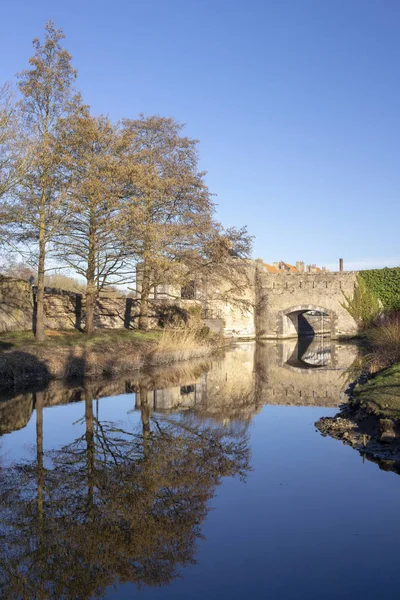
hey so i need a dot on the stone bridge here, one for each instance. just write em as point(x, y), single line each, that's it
point(291, 304)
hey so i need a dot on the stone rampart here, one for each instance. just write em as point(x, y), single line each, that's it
point(282, 298)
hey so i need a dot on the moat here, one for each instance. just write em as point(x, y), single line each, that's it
point(205, 479)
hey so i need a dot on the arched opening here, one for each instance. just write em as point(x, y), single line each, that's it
point(306, 321)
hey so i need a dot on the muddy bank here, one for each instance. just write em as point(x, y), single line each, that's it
point(370, 435)
point(370, 421)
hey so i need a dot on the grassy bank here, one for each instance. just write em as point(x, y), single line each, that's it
point(22, 339)
point(370, 421)
point(380, 395)
point(67, 355)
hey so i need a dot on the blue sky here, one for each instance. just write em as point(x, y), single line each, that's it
point(296, 104)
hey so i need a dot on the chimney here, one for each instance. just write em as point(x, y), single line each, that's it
point(340, 264)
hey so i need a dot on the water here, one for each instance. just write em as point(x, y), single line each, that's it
point(206, 479)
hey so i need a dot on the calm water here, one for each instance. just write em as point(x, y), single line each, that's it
point(205, 480)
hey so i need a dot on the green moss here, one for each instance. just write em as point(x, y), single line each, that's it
point(382, 393)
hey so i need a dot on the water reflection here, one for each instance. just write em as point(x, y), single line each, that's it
point(123, 503)
point(113, 504)
point(117, 489)
point(312, 353)
point(232, 386)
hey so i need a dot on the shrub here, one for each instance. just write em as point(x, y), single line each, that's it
point(171, 315)
point(175, 316)
point(364, 306)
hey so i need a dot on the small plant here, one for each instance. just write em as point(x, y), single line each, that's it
point(363, 306)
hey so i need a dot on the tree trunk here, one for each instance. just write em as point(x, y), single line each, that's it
point(90, 300)
point(91, 286)
point(39, 325)
point(144, 300)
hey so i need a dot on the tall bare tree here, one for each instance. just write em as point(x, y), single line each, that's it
point(220, 266)
point(170, 217)
point(47, 96)
point(96, 157)
point(169, 203)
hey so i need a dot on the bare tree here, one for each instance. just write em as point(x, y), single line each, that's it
point(47, 96)
point(170, 218)
point(96, 157)
point(169, 204)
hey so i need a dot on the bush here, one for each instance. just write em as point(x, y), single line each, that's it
point(174, 316)
point(364, 306)
point(171, 315)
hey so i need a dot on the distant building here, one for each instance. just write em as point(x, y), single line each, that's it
point(284, 267)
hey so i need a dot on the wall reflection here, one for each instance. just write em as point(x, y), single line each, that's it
point(232, 386)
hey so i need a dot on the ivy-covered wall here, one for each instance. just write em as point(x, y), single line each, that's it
point(385, 283)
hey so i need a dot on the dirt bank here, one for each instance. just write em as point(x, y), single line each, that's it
point(107, 354)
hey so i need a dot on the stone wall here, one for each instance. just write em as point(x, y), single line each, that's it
point(66, 310)
point(16, 305)
point(282, 298)
point(63, 310)
point(275, 307)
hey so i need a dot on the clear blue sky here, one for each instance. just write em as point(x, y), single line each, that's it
point(296, 104)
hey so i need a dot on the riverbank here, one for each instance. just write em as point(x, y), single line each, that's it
point(69, 355)
point(370, 422)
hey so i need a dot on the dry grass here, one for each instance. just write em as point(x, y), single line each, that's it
point(175, 345)
point(385, 343)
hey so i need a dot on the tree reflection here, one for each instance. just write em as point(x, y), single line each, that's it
point(114, 505)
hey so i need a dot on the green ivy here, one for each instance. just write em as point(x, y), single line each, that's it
point(385, 284)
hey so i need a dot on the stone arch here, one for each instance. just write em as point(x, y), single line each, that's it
point(290, 320)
